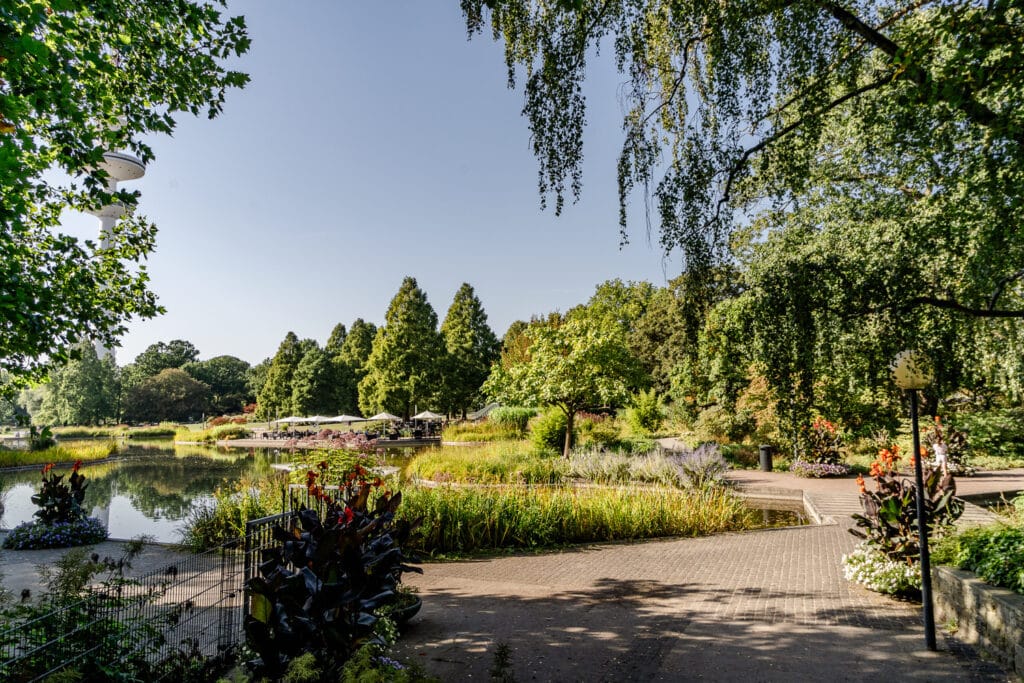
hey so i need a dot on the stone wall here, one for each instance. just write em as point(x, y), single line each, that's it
point(991, 618)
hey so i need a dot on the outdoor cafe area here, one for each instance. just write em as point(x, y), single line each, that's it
point(424, 425)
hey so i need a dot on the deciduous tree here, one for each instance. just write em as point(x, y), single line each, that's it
point(76, 79)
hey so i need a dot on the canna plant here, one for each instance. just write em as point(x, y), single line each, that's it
point(318, 589)
point(889, 522)
point(61, 502)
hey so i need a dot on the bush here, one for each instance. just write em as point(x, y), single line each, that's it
point(604, 467)
point(702, 468)
point(995, 554)
point(597, 431)
point(224, 519)
point(647, 413)
point(36, 535)
point(997, 433)
point(514, 417)
point(719, 424)
point(547, 431)
point(223, 432)
point(873, 570)
point(820, 442)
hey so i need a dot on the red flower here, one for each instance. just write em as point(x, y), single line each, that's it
point(76, 466)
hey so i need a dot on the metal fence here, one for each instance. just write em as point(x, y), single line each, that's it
point(195, 606)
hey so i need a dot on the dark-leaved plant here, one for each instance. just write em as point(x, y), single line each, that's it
point(318, 588)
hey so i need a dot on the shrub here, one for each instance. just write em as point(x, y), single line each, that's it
point(219, 420)
point(620, 467)
point(223, 432)
point(597, 431)
point(719, 424)
point(995, 554)
point(223, 520)
point(995, 432)
point(871, 568)
point(701, 468)
point(547, 431)
point(40, 439)
point(514, 417)
point(820, 442)
point(647, 412)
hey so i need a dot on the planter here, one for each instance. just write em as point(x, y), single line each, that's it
point(402, 614)
point(990, 617)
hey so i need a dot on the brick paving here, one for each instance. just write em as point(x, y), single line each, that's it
point(756, 606)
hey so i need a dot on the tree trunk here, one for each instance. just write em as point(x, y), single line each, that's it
point(569, 415)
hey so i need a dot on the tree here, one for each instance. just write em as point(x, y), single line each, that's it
point(276, 395)
point(578, 362)
point(337, 340)
point(160, 356)
point(84, 391)
point(169, 395)
point(402, 371)
point(79, 78)
point(313, 384)
point(257, 376)
point(471, 348)
point(742, 109)
point(228, 379)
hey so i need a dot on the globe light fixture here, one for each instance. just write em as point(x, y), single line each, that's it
point(911, 371)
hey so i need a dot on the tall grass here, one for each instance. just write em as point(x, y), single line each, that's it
point(224, 520)
point(165, 430)
point(219, 433)
point(466, 520)
point(506, 462)
point(59, 454)
point(480, 431)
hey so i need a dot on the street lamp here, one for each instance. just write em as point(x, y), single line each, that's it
point(911, 373)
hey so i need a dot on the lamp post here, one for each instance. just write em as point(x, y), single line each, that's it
point(911, 374)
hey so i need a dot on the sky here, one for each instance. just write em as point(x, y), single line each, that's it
point(374, 142)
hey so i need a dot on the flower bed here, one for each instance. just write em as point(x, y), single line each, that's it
point(38, 535)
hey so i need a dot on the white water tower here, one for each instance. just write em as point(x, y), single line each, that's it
point(120, 166)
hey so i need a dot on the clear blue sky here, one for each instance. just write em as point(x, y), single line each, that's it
point(374, 142)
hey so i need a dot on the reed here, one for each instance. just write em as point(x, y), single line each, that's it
point(60, 454)
point(504, 462)
point(470, 520)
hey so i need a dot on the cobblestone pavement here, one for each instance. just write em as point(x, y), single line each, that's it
point(756, 606)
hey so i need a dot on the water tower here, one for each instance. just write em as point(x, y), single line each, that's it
point(120, 166)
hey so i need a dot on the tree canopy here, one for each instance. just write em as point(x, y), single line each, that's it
point(471, 347)
point(742, 118)
point(403, 370)
point(76, 79)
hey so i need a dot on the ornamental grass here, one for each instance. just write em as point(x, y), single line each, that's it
point(60, 454)
point(509, 462)
point(469, 520)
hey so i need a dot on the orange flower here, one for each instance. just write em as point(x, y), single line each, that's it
point(860, 483)
point(876, 469)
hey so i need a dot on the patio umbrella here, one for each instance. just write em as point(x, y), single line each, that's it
point(427, 415)
point(290, 418)
point(383, 416)
point(347, 418)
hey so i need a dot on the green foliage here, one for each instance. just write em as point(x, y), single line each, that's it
point(572, 363)
point(81, 78)
point(371, 665)
point(36, 535)
point(161, 356)
point(40, 439)
point(275, 396)
point(504, 463)
point(717, 423)
point(889, 522)
point(598, 431)
point(471, 348)
point(548, 431)
point(224, 432)
point(647, 413)
point(820, 442)
point(351, 361)
point(228, 379)
point(995, 554)
point(169, 395)
point(208, 526)
point(516, 417)
point(464, 520)
point(952, 442)
point(487, 430)
point(997, 432)
point(313, 391)
point(403, 369)
point(84, 391)
point(63, 453)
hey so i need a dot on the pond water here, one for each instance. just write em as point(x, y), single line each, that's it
point(153, 487)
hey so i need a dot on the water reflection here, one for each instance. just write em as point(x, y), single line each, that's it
point(148, 491)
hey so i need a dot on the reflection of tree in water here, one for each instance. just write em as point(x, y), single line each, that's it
point(157, 482)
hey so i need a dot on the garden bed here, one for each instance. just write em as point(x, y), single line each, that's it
point(989, 617)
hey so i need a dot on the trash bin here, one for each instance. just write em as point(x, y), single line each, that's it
point(765, 451)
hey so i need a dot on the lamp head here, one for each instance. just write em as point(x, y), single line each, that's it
point(911, 370)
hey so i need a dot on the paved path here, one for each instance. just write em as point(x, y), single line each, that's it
point(755, 606)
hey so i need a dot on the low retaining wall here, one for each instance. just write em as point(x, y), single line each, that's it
point(991, 618)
